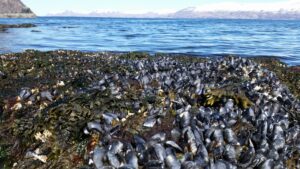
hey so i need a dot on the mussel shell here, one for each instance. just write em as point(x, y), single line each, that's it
point(116, 147)
point(268, 164)
point(150, 122)
point(131, 159)
point(223, 164)
point(171, 160)
point(230, 136)
point(98, 156)
point(113, 159)
point(174, 145)
point(161, 137)
point(95, 126)
point(189, 165)
point(175, 134)
point(160, 152)
point(154, 164)
point(230, 153)
point(25, 93)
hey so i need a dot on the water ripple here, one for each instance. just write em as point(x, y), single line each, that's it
point(189, 36)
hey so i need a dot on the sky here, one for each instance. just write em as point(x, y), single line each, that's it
point(44, 7)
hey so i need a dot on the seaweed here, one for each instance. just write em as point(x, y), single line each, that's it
point(289, 75)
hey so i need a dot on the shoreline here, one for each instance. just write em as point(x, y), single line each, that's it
point(72, 105)
point(18, 15)
point(265, 58)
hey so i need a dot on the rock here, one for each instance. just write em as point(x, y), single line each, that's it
point(35, 31)
point(14, 9)
point(24, 25)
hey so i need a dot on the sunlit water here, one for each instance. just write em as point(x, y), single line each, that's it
point(188, 36)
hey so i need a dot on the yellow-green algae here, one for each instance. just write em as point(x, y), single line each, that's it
point(289, 75)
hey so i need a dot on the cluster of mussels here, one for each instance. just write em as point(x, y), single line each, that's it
point(105, 110)
point(222, 113)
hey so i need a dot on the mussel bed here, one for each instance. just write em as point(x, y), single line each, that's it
point(69, 109)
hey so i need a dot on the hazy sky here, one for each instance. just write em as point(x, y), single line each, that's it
point(43, 7)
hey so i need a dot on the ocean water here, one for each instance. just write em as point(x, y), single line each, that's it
point(203, 37)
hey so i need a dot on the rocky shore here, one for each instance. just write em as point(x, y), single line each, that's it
point(69, 109)
point(4, 27)
point(17, 15)
point(14, 9)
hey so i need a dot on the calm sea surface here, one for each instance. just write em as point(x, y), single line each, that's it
point(190, 36)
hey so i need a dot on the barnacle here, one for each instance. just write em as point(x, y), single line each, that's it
point(43, 136)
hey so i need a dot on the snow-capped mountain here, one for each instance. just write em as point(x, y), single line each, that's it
point(194, 12)
point(198, 12)
point(109, 14)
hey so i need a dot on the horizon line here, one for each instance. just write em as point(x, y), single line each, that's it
point(173, 18)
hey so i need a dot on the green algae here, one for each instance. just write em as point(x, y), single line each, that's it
point(4, 156)
point(3, 152)
point(135, 55)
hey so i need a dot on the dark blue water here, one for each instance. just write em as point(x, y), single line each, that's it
point(190, 36)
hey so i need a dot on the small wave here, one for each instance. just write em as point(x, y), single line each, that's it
point(208, 37)
point(131, 36)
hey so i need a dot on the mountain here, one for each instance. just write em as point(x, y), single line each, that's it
point(194, 12)
point(108, 14)
point(14, 9)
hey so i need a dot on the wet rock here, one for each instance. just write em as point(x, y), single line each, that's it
point(37, 31)
point(23, 25)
